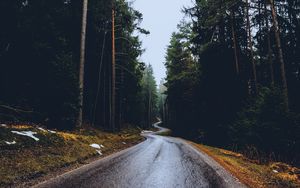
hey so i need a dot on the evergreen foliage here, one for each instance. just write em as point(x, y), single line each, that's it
point(226, 88)
point(39, 55)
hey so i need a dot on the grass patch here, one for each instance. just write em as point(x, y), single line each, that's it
point(250, 172)
point(29, 159)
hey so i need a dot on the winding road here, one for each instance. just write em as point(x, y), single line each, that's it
point(158, 162)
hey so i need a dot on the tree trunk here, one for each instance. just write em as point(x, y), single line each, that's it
point(81, 64)
point(104, 96)
point(99, 79)
point(254, 77)
point(120, 119)
point(269, 48)
point(113, 74)
point(280, 57)
point(234, 43)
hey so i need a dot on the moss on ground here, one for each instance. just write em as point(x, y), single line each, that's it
point(250, 172)
point(29, 159)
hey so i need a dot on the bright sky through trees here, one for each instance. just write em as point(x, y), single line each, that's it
point(160, 18)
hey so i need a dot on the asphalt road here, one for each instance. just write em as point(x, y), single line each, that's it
point(158, 162)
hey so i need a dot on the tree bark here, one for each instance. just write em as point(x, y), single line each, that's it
point(104, 96)
point(82, 60)
point(269, 48)
point(254, 76)
point(113, 74)
point(280, 57)
point(234, 44)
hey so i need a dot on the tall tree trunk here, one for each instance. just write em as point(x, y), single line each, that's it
point(104, 96)
point(120, 118)
point(99, 80)
point(234, 43)
point(260, 34)
point(81, 64)
point(269, 48)
point(113, 74)
point(254, 77)
point(280, 57)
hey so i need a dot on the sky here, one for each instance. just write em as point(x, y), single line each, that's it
point(161, 18)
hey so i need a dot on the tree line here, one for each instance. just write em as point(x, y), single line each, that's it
point(43, 45)
point(233, 76)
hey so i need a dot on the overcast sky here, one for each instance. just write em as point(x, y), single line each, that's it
point(160, 18)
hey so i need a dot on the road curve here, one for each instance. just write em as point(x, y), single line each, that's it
point(158, 162)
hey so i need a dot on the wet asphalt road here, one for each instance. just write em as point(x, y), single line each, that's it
point(158, 162)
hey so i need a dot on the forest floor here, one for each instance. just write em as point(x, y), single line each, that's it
point(32, 154)
point(251, 172)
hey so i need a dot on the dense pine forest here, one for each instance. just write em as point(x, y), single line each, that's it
point(233, 71)
point(51, 54)
point(80, 105)
point(233, 77)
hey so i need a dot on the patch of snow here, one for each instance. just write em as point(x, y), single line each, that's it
point(124, 143)
point(27, 133)
point(99, 152)
point(275, 171)
point(42, 129)
point(96, 146)
point(53, 132)
point(3, 125)
point(10, 143)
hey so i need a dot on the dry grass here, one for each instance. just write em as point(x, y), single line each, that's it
point(29, 159)
point(250, 172)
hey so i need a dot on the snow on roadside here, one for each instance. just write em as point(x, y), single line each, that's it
point(98, 148)
point(99, 152)
point(3, 125)
point(10, 143)
point(53, 132)
point(48, 130)
point(27, 133)
point(41, 129)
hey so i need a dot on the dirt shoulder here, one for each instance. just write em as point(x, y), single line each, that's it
point(41, 154)
point(250, 172)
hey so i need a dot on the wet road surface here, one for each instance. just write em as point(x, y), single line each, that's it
point(158, 162)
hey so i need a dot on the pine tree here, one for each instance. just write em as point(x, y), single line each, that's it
point(82, 59)
point(280, 56)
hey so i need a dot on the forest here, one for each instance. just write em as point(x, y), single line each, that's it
point(42, 59)
point(80, 105)
point(233, 71)
point(233, 77)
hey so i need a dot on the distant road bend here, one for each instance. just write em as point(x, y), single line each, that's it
point(158, 162)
